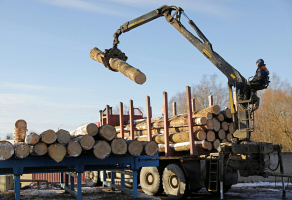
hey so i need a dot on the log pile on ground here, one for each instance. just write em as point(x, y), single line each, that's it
point(89, 139)
point(211, 127)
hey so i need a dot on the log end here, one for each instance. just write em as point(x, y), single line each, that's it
point(63, 136)
point(22, 150)
point(57, 152)
point(107, 132)
point(151, 148)
point(119, 146)
point(6, 150)
point(87, 142)
point(102, 149)
point(74, 149)
point(135, 148)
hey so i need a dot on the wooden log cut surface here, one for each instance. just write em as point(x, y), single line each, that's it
point(221, 134)
point(87, 129)
point(102, 149)
point(216, 125)
point(74, 149)
point(21, 149)
point(224, 126)
point(150, 148)
point(213, 109)
point(135, 147)
point(48, 136)
point(32, 138)
point(86, 141)
point(210, 136)
point(119, 146)
point(107, 132)
point(63, 136)
point(57, 152)
point(220, 117)
point(216, 144)
point(6, 150)
point(230, 128)
point(38, 149)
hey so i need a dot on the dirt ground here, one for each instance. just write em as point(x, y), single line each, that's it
point(240, 191)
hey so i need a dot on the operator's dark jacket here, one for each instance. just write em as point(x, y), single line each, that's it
point(260, 77)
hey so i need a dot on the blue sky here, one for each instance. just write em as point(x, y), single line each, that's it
point(48, 78)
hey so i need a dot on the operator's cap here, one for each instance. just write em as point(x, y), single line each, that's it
point(261, 62)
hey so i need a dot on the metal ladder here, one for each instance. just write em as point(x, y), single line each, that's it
point(250, 117)
point(213, 174)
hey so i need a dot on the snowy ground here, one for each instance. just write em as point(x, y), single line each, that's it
point(240, 191)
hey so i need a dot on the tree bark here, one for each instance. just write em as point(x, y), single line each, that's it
point(208, 115)
point(20, 129)
point(185, 146)
point(74, 149)
point(213, 109)
point(48, 136)
point(224, 126)
point(135, 147)
point(210, 136)
point(21, 149)
point(134, 74)
point(102, 149)
point(119, 146)
point(57, 152)
point(63, 136)
point(150, 148)
point(221, 134)
point(107, 132)
point(38, 149)
point(87, 129)
point(32, 138)
point(6, 150)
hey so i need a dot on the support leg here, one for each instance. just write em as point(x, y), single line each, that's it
point(282, 172)
point(113, 179)
point(104, 178)
point(135, 184)
point(17, 187)
point(123, 181)
point(72, 184)
point(79, 184)
point(221, 175)
point(66, 181)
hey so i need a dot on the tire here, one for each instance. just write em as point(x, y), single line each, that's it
point(150, 180)
point(174, 182)
point(91, 178)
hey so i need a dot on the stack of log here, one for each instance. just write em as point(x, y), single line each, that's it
point(89, 139)
point(211, 127)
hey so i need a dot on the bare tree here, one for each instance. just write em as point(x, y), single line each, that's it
point(200, 92)
point(9, 136)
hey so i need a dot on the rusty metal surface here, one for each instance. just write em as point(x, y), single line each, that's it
point(53, 177)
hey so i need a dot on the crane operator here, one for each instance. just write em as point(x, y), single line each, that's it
point(259, 81)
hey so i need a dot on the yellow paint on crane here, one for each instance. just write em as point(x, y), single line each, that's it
point(232, 76)
point(136, 22)
point(207, 53)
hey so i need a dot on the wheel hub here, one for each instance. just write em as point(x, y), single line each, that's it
point(149, 178)
point(173, 181)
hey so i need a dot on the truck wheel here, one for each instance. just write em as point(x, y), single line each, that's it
point(91, 178)
point(150, 180)
point(174, 182)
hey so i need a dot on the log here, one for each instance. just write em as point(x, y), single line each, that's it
point(119, 146)
point(221, 134)
point(216, 125)
point(74, 149)
point(200, 120)
point(87, 129)
point(210, 136)
point(6, 150)
point(208, 115)
point(86, 141)
point(135, 147)
point(21, 149)
point(216, 144)
point(150, 148)
point(63, 136)
point(220, 117)
point(229, 137)
point(32, 138)
point(213, 109)
point(224, 126)
point(20, 129)
point(38, 149)
point(185, 146)
point(230, 128)
point(209, 125)
point(102, 149)
point(107, 132)
point(227, 113)
point(224, 141)
point(57, 152)
point(48, 136)
point(199, 135)
point(132, 73)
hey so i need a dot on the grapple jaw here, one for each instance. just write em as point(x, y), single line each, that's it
point(112, 53)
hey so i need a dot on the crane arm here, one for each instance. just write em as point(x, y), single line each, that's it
point(173, 15)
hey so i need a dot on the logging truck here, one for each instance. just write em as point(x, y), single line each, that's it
point(181, 172)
